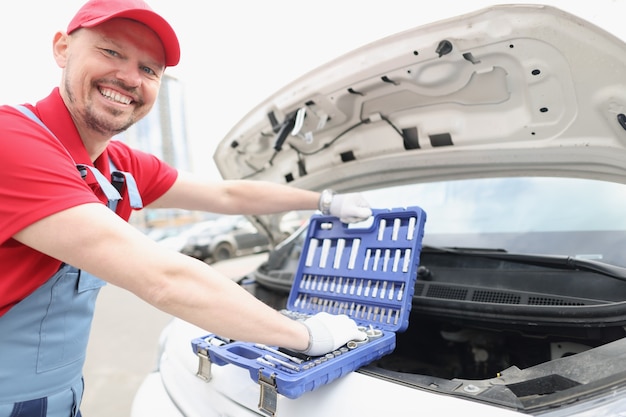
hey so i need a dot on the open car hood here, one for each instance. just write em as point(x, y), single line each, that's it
point(507, 90)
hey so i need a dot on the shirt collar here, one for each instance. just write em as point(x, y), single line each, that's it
point(55, 115)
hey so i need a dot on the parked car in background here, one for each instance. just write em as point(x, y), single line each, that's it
point(225, 238)
point(176, 237)
point(508, 127)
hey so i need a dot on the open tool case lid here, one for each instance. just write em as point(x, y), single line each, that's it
point(366, 272)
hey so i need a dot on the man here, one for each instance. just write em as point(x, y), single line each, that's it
point(67, 191)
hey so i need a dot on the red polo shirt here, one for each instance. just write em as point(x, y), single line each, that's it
point(39, 178)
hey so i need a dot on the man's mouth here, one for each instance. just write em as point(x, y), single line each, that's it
point(115, 96)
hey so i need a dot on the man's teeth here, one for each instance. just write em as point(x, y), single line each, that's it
point(110, 94)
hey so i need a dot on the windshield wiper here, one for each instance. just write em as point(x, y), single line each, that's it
point(550, 261)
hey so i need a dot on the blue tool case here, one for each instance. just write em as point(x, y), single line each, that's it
point(366, 271)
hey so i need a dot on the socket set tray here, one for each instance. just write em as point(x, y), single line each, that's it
point(366, 271)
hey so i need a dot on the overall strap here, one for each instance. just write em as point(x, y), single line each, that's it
point(118, 178)
point(28, 112)
point(111, 193)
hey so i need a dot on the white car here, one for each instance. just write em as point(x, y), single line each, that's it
point(508, 127)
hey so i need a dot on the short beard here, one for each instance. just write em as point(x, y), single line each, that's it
point(98, 124)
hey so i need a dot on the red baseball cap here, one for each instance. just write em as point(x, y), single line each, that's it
point(95, 12)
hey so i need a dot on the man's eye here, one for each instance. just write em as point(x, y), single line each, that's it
point(148, 70)
point(111, 52)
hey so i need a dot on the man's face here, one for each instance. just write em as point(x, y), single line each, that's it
point(112, 74)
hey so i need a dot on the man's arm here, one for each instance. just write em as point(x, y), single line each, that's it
point(93, 238)
point(235, 197)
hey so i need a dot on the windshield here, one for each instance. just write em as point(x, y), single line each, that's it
point(558, 216)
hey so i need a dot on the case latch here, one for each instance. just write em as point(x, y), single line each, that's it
point(204, 365)
point(269, 395)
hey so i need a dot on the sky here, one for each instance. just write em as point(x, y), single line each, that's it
point(235, 53)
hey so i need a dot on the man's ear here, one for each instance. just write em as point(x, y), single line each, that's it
point(60, 45)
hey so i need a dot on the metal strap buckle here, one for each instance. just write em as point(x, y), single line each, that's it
point(269, 395)
point(204, 365)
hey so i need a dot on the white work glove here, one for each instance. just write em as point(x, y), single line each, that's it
point(349, 208)
point(328, 332)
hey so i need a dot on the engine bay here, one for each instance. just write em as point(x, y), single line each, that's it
point(496, 327)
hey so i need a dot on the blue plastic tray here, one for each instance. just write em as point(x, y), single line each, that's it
point(367, 272)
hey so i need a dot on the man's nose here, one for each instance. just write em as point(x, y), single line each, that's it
point(130, 74)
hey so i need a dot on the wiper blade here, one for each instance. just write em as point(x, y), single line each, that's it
point(550, 261)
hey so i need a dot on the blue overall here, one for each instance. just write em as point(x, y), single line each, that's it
point(43, 338)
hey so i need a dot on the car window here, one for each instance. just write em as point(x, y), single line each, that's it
point(565, 216)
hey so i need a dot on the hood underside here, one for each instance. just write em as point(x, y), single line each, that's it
point(507, 90)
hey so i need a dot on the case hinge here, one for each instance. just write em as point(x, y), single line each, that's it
point(269, 395)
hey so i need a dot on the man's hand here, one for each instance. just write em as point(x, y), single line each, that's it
point(329, 332)
point(350, 208)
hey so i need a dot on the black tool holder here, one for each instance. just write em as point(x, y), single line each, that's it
point(366, 272)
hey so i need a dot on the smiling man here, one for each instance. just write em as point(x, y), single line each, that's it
point(65, 198)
